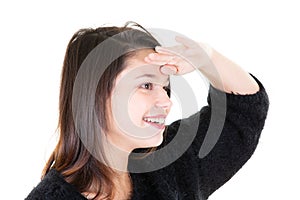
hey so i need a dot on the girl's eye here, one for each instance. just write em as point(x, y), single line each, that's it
point(147, 86)
point(167, 89)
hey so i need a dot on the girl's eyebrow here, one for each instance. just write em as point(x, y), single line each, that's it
point(154, 76)
point(146, 75)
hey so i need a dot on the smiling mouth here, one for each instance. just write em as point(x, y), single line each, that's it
point(156, 121)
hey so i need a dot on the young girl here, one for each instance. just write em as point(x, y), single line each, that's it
point(114, 99)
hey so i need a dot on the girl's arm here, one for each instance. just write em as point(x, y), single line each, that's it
point(222, 73)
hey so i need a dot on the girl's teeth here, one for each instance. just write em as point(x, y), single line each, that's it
point(155, 120)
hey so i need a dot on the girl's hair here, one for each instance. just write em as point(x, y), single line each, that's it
point(71, 158)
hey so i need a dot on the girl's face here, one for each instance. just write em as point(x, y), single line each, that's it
point(139, 105)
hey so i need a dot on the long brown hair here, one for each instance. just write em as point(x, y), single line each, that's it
point(71, 158)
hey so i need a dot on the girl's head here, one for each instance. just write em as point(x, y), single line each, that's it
point(139, 104)
point(127, 105)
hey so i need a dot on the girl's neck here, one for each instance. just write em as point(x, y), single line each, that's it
point(116, 158)
point(122, 188)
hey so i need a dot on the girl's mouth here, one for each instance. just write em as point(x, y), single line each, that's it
point(156, 121)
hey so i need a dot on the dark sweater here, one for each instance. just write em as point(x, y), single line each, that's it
point(189, 177)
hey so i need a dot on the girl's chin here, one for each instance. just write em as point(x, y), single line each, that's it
point(155, 139)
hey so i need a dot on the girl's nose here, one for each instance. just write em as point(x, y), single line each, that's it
point(163, 100)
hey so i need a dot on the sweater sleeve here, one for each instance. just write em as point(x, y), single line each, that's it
point(227, 135)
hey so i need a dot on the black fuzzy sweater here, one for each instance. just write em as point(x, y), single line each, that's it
point(190, 177)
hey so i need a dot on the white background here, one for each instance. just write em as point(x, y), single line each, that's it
point(260, 35)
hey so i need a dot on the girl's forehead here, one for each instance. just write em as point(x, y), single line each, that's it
point(143, 72)
point(136, 67)
point(138, 58)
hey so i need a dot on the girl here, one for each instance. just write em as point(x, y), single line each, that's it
point(114, 99)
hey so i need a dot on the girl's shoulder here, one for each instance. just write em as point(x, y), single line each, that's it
point(53, 186)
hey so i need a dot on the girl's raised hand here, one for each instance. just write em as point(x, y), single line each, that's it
point(181, 59)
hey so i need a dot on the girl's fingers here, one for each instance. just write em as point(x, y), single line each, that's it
point(188, 43)
point(154, 62)
point(160, 59)
point(167, 50)
point(163, 50)
point(174, 50)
